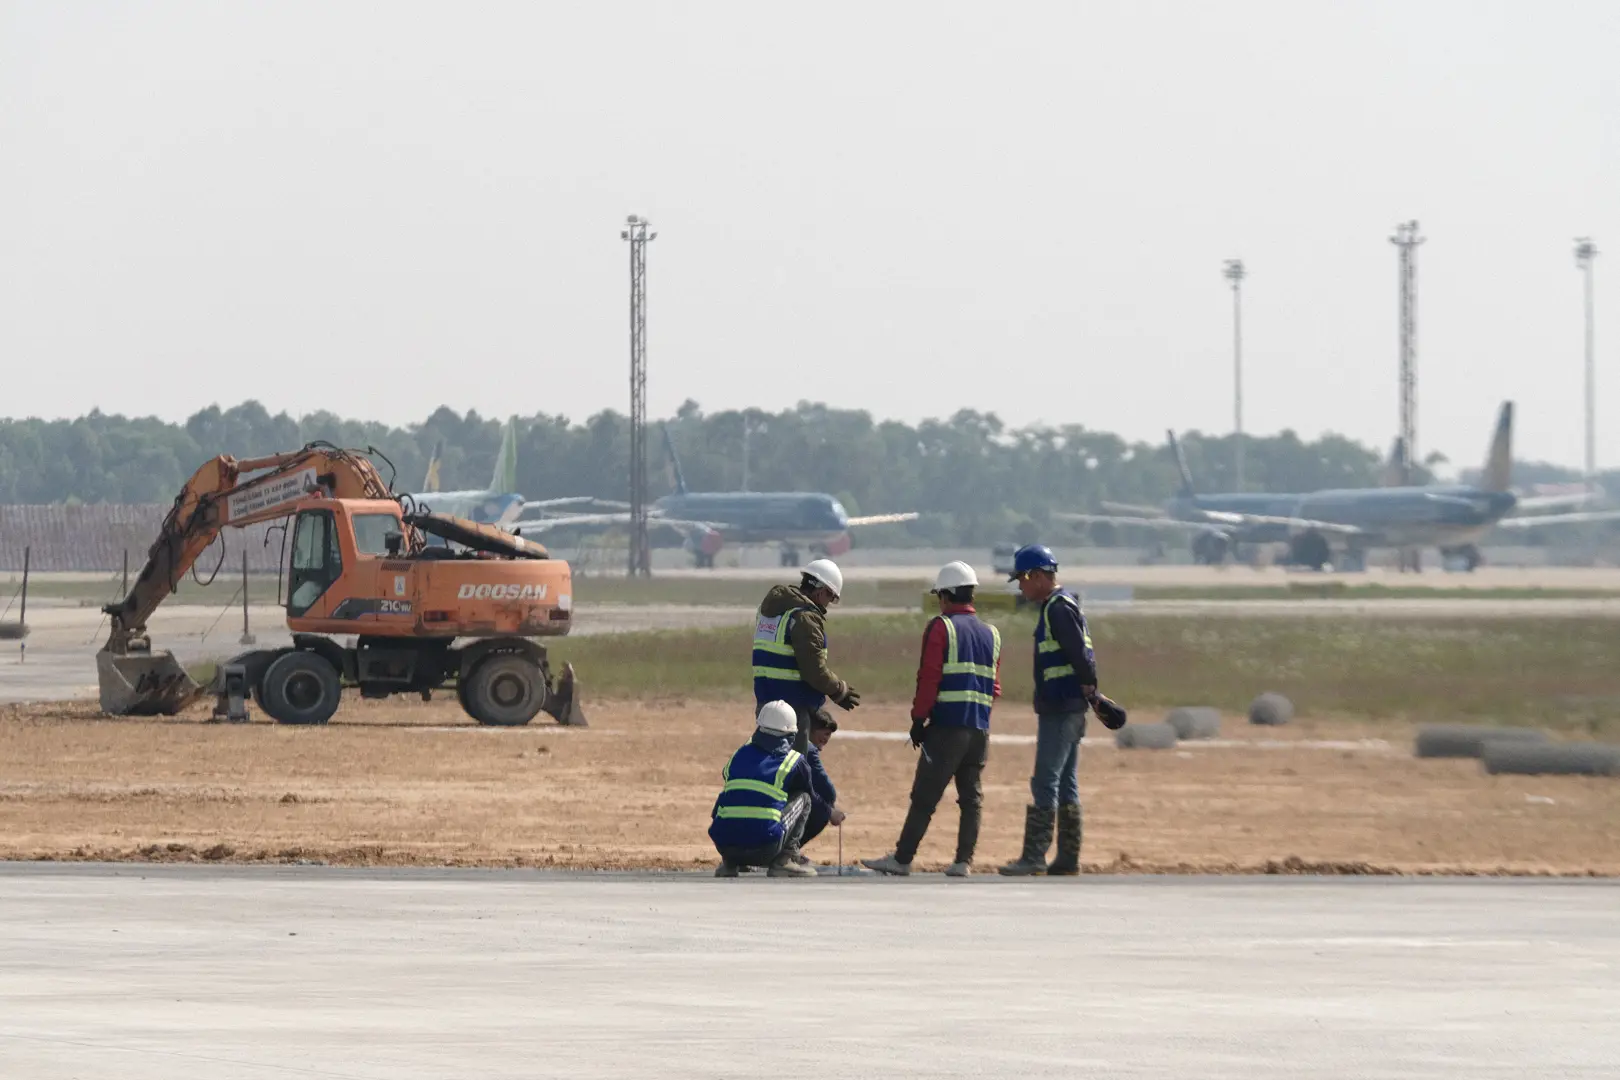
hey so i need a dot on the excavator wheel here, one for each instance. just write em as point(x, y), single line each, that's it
point(505, 690)
point(301, 688)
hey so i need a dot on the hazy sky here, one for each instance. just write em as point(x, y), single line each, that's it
point(908, 208)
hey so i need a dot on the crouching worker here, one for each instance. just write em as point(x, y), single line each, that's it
point(823, 795)
point(760, 817)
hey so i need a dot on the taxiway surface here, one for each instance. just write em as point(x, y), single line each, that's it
point(178, 972)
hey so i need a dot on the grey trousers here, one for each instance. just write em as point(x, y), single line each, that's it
point(948, 753)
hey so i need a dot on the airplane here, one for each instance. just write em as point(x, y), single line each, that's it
point(499, 504)
point(1319, 524)
point(711, 519)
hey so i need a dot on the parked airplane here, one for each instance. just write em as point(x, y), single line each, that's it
point(1317, 525)
point(500, 503)
point(710, 520)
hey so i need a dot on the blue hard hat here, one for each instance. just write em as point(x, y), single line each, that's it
point(1032, 557)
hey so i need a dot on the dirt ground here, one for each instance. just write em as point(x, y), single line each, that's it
point(415, 783)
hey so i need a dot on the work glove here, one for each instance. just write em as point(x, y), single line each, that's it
point(849, 700)
point(1110, 712)
point(918, 728)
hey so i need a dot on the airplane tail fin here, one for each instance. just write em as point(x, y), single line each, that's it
point(505, 478)
point(1181, 465)
point(1498, 472)
point(1394, 474)
point(430, 482)
point(674, 460)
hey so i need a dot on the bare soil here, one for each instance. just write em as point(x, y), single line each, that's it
point(414, 783)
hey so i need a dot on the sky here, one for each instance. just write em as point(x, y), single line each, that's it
point(908, 208)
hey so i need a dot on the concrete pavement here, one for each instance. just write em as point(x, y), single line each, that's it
point(176, 972)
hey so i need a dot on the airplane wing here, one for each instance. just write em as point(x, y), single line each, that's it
point(1531, 522)
point(1219, 520)
point(546, 506)
point(1148, 522)
point(1556, 502)
point(882, 519)
point(563, 521)
point(1291, 522)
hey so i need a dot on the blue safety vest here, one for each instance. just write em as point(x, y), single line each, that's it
point(776, 669)
point(967, 685)
point(1055, 679)
point(748, 813)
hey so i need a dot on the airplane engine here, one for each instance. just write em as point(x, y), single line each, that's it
point(1310, 549)
point(838, 545)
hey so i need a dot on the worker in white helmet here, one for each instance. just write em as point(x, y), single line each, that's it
point(958, 681)
point(760, 816)
point(790, 647)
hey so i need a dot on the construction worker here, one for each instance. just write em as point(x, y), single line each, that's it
point(790, 647)
point(1065, 688)
point(824, 809)
point(958, 680)
point(760, 816)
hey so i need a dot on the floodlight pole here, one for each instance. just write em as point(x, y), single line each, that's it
point(638, 234)
point(1235, 273)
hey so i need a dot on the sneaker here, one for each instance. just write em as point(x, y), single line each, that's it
point(959, 869)
point(888, 865)
point(802, 859)
point(725, 869)
point(787, 867)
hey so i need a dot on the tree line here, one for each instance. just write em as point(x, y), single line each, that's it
point(975, 479)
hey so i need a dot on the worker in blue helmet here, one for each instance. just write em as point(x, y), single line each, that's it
point(1065, 689)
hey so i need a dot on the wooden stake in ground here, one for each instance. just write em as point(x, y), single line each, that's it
point(22, 620)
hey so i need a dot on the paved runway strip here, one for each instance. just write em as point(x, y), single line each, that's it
point(172, 973)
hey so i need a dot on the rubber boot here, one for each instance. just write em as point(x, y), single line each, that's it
point(1067, 861)
point(1037, 838)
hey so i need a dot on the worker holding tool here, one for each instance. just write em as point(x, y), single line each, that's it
point(958, 680)
point(790, 647)
point(760, 816)
point(1065, 689)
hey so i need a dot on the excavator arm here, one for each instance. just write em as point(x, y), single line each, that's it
point(135, 680)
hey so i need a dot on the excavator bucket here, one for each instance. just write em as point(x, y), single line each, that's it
point(563, 702)
point(143, 684)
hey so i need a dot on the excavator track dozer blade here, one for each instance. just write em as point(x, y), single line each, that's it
point(143, 684)
point(563, 702)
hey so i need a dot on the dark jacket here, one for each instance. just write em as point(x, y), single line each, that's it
point(746, 832)
point(808, 636)
point(822, 791)
point(1069, 628)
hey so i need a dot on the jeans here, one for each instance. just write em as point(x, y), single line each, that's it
point(947, 754)
point(794, 817)
point(1056, 779)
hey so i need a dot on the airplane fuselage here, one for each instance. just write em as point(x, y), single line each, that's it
point(756, 517)
point(1384, 517)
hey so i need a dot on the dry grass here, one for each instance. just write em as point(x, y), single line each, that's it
point(1557, 672)
point(411, 783)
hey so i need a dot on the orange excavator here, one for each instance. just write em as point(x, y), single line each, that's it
point(361, 566)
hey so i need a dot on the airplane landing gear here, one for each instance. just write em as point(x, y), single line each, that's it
point(790, 556)
point(1465, 558)
point(1209, 549)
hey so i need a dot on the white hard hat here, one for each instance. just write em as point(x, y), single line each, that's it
point(954, 575)
point(777, 718)
point(826, 571)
